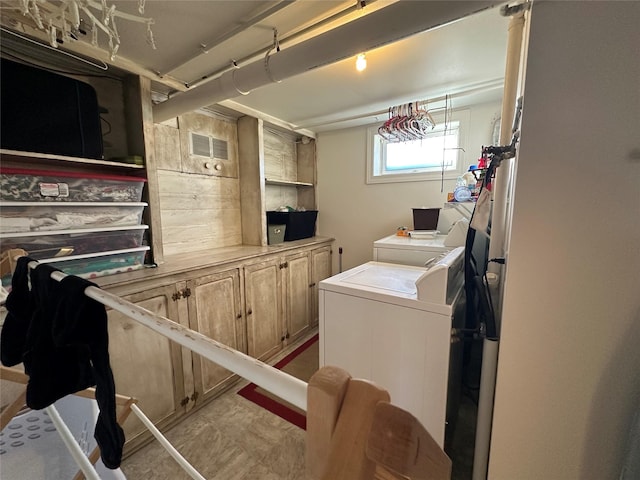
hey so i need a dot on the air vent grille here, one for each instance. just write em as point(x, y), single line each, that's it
point(200, 145)
point(219, 149)
point(207, 146)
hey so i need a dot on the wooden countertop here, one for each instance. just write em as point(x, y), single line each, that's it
point(187, 262)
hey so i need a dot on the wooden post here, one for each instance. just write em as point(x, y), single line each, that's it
point(347, 459)
point(325, 394)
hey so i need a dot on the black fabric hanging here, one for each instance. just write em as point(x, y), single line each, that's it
point(61, 336)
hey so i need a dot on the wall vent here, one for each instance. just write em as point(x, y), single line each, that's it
point(207, 146)
point(219, 149)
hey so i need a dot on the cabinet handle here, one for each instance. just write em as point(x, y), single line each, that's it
point(249, 312)
point(287, 335)
point(176, 296)
point(239, 315)
point(311, 285)
point(195, 396)
point(186, 293)
point(184, 401)
point(282, 338)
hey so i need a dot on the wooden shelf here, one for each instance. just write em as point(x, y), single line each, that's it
point(35, 157)
point(285, 183)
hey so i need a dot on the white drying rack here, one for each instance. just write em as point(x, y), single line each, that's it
point(285, 386)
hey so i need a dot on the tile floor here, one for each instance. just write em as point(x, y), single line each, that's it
point(231, 438)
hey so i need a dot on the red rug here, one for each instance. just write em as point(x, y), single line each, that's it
point(279, 407)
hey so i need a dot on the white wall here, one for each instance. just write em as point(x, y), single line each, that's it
point(568, 377)
point(357, 214)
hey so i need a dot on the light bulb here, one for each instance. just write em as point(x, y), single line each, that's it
point(361, 62)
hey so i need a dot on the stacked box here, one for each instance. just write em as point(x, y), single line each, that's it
point(98, 265)
point(45, 217)
point(86, 225)
point(74, 242)
point(26, 185)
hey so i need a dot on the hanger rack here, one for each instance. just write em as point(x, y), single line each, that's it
point(407, 122)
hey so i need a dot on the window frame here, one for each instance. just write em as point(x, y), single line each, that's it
point(374, 173)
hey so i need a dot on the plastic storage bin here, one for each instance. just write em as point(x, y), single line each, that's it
point(298, 224)
point(101, 264)
point(425, 218)
point(42, 217)
point(73, 242)
point(275, 233)
point(28, 185)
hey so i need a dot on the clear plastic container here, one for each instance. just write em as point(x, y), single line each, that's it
point(73, 242)
point(100, 264)
point(27, 185)
point(43, 217)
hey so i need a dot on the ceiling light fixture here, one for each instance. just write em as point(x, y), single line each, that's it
point(361, 62)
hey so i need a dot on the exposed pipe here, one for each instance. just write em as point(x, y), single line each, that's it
point(289, 38)
point(207, 45)
point(387, 25)
point(496, 245)
point(503, 177)
point(485, 399)
point(463, 92)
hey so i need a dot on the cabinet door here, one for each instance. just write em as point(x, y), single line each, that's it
point(147, 365)
point(215, 311)
point(320, 269)
point(297, 295)
point(263, 309)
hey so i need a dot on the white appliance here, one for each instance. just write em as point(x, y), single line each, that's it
point(392, 324)
point(409, 251)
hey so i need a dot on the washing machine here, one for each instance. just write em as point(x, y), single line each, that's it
point(393, 324)
point(418, 251)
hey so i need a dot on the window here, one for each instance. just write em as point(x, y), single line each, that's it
point(440, 153)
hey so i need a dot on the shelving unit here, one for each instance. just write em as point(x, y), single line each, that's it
point(88, 238)
point(277, 169)
point(33, 158)
point(461, 208)
point(285, 183)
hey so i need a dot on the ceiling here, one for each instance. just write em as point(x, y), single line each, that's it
point(198, 41)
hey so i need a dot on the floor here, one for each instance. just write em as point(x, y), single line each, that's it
point(231, 438)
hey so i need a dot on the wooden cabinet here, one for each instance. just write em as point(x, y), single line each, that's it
point(263, 308)
point(320, 269)
point(296, 273)
point(256, 305)
point(169, 380)
point(281, 297)
point(215, 310)
point(147, 365)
